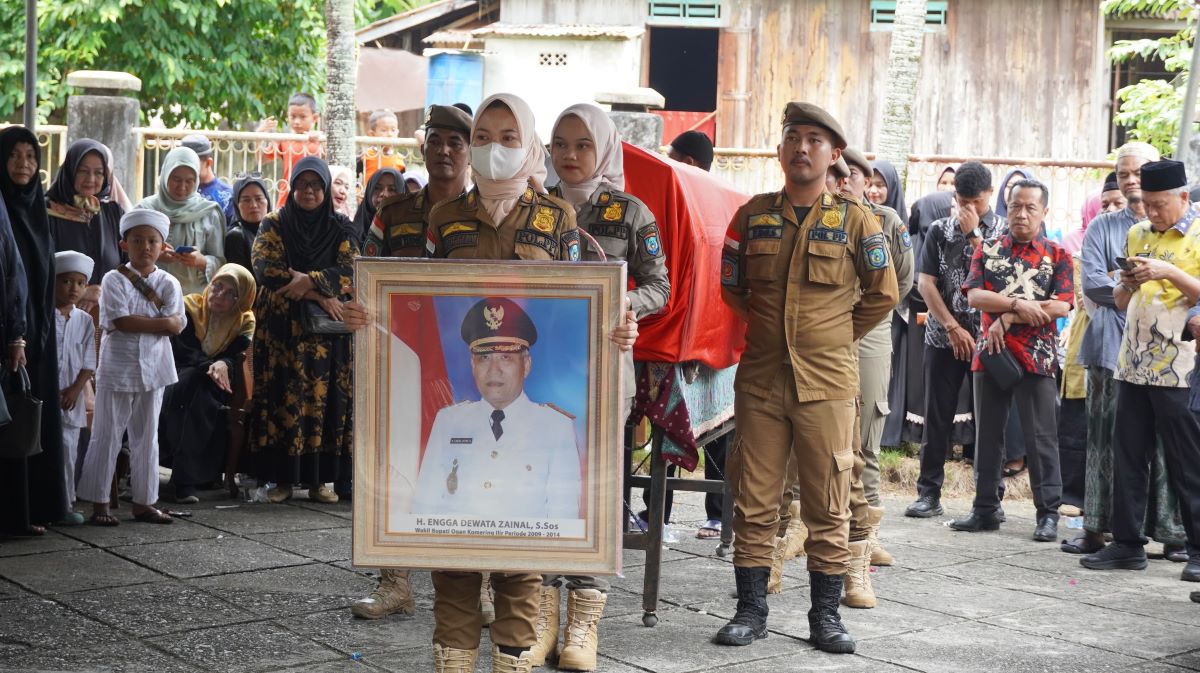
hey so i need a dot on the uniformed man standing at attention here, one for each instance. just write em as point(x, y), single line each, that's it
point(398, 230)
point(502, 455)
point(809, 272)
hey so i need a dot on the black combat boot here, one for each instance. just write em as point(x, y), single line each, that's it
point(824, 624)
point(749, 623)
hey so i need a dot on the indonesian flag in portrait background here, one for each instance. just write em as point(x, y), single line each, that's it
point(420, 385)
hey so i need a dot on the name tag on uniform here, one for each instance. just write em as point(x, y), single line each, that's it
point(830, 235)
point(462, 440)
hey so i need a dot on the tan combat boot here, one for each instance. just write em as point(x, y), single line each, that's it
point(394, 594)
point(545, 627)
point(584, 608)
point(775, 582)
point(487, 600)
point(796, 535)
point(879, 555)
point(506, 663)
point(450, 660)
point(859, 592)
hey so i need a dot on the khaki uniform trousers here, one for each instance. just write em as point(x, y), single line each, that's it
point(816, 436)
point(858, 496)
point(458, 622)
point(874, 373)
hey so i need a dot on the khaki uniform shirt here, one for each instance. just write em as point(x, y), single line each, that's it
point(809, 290)
point(540, 227)
point(625, 229)
point(398, 229)
point(878, 342)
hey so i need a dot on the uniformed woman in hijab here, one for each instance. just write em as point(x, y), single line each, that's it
point(585, 149)
point(303, 254)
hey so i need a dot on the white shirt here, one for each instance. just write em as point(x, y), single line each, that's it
point(530, 472)
point(76, 352)
point(130, 361)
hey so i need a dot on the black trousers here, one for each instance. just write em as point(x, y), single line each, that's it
point(1036, 399)
point(1142, 411)
point(944, 375)
point(714, 469)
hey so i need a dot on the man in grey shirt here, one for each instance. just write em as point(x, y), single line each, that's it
point(1103, 243)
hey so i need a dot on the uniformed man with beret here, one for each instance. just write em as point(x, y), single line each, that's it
point(810, 273)
point(398, 229)
point(502, 455)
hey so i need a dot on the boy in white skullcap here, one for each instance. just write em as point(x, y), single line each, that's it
point(76, 361)
point(141, 307)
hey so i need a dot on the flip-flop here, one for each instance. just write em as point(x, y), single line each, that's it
point(153, 516)
point(1079, 546)
point(105, 520)
point(711, 530)
point(1009, 472)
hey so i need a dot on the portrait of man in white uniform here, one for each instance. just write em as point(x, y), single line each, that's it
point(503, 455)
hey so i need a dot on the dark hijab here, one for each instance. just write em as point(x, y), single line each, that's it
point(63, 189)
point(366, 212)
point(311, 237)
point(238, 188)
point(1001, 205)
point(895, 196)
point(27, 213)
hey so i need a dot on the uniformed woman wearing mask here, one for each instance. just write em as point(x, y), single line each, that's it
point(586, 151)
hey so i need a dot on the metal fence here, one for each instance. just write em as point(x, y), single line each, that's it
point(752, 171)
point(52, 145)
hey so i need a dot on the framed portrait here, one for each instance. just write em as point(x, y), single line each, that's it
point(487, 412)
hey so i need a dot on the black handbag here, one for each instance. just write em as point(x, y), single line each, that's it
point(22, 437)
point(316, 320)
point(1003, 367)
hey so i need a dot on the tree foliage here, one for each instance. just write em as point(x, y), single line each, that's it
point(1151, 109)
point(201, 62)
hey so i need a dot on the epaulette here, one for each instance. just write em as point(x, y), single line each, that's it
point(560, 410)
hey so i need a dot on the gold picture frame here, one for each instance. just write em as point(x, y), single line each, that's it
point(439, 481)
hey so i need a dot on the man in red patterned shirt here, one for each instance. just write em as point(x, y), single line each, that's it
point(1021, 282)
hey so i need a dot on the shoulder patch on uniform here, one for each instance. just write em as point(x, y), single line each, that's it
point(651, 243)
point(905, 239)
point(430, 243)
point(729, 270)
point(874, 252)
point(571, 240)
point(559, 409)
point(371, 249)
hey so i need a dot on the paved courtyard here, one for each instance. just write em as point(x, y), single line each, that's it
point(259, 587)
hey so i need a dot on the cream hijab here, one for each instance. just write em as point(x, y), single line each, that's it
point(499, 197)
point(610, 162)
point(193, 208)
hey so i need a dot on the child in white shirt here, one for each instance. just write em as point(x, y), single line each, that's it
point(76, 361)
point(141, 307)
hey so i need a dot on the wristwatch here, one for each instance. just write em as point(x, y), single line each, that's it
point(975, 233)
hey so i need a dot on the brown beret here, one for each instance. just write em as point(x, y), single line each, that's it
point(855, 158)
point(839, 169)
point(448, 117)
point(807, 113)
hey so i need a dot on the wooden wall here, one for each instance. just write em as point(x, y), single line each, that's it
point(1016, 78)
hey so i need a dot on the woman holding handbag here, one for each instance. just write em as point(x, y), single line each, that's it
point(303, 257)
point(31, 486)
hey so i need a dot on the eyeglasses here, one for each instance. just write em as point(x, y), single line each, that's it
point(309, 185)
point(216, 290)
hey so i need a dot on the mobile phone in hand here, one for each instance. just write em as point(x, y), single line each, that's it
point(1125, 264)
point(185, 250)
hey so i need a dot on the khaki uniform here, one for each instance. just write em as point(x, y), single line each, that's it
point(808, 290)
point(540, 227)
point(626, 231)
point(398, 229)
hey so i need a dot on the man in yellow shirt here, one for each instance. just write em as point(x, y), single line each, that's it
point(1159, 283)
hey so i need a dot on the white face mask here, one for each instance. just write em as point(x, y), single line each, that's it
point(497, 162)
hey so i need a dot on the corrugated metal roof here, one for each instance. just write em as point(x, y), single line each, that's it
point(452, 37)
point(551, 31)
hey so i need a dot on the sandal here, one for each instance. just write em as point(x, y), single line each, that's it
point(1080, 545)
point(106, 520)
point(1014, 471)
point(153, 516)
point(71, 519)
point(711, 530)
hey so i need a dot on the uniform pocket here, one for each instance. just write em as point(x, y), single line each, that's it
point(761, 259)
point(733, 468)
point(826, 263)
point(838, 490)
